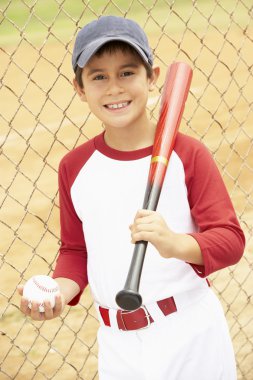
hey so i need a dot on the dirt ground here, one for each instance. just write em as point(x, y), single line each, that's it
point(46, 121)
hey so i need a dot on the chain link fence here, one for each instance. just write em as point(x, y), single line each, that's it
point(42, 119)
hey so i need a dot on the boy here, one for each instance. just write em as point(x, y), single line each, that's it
point(180, 332)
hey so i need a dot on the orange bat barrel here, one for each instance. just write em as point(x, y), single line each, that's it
point(174, 95)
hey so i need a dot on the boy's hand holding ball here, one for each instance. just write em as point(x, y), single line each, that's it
point(41, 298)
point(40, 289)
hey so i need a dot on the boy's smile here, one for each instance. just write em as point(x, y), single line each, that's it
point(116, 87)
point(117, 106)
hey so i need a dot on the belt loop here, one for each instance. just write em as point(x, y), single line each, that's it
point(120, 321)
point(167, 305)
point(105, 315)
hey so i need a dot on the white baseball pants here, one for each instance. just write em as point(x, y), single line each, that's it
point(191, 344)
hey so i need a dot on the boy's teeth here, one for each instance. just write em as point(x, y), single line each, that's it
point(119, 105)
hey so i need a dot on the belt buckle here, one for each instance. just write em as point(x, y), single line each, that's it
point(147, 316)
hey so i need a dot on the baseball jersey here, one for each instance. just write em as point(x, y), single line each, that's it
point(101, 190)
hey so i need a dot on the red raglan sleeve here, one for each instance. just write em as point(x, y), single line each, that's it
point(219, 235)
point(72, 259)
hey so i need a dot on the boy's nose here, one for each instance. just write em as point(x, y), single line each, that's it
point(114, 87)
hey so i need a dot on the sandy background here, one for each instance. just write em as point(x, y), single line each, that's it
point(42, 119)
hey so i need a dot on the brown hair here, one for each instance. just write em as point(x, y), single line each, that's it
point(112, 47)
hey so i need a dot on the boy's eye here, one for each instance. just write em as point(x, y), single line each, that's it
point(99, 77)
point(127, 73)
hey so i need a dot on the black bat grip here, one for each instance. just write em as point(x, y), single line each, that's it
point(129, 298)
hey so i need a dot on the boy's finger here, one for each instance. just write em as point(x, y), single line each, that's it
point(147, 219)
point(24, 306)
point(20, 289)
point(35, 312)
point(49, 313)
point(141, 213)
point(142, 227)
point(58, 305)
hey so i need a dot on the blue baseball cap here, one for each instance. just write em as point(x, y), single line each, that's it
point(109, 28)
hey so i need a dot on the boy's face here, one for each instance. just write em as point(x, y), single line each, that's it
point(116, 86)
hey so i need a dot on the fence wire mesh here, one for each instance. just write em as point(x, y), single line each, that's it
point(42, 119)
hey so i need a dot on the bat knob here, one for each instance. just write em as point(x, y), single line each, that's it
point(128, 300)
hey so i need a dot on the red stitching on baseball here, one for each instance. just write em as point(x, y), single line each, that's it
point(43, 288)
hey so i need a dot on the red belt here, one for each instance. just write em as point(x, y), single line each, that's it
point(137, 319)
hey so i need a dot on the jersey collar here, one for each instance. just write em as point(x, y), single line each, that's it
point(118, 154)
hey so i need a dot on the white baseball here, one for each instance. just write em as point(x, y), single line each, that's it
point(39, 289)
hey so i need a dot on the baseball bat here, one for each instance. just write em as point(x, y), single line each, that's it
point(174, 95)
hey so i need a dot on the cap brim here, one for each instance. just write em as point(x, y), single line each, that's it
point(87, 54)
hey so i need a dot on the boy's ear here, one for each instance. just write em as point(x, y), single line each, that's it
point(154, 77)
point(79, 90)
